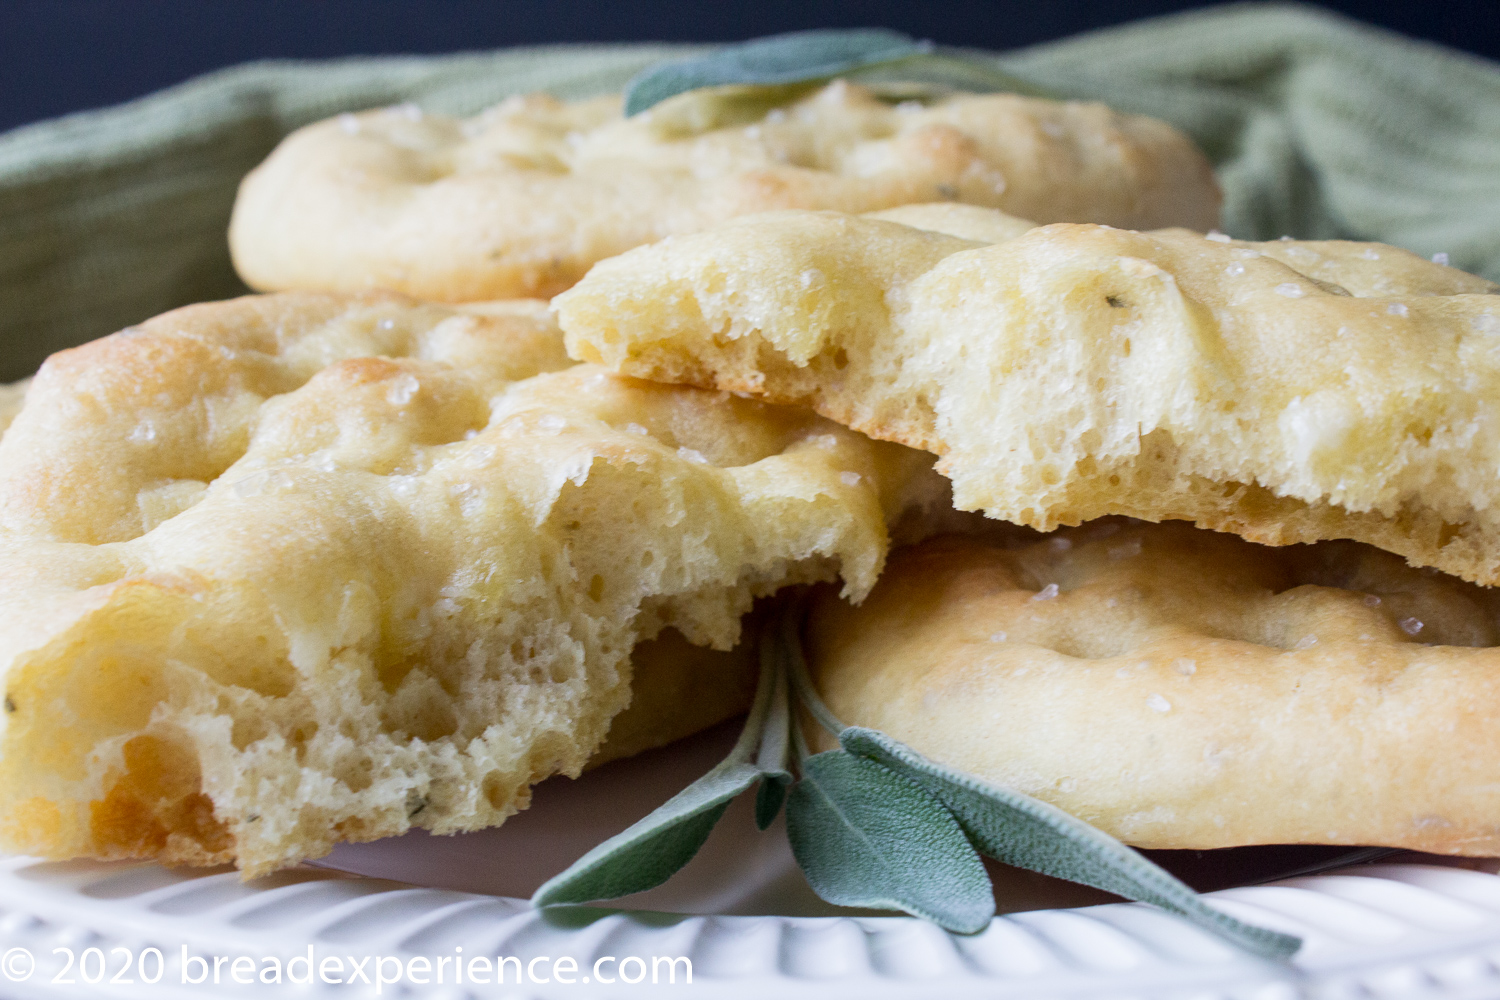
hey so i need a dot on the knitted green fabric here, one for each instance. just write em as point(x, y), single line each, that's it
point(1318, 126)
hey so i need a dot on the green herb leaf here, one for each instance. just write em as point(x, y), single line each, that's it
point(867, 836)
point(798, 57)
point(1029, 833)
point(1026, 832)
point(652, 850)
point(769, 797)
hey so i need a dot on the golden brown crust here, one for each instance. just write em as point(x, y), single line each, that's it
point(522, 199)
point(1287, 391)
point(286, 570)
point(1185, 689)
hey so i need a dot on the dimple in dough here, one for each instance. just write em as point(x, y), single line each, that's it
point(1287, 391)
point(1180, 688)
point(523, 198)
point(294, 569)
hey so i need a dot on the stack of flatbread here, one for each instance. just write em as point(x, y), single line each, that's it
point(389, 544)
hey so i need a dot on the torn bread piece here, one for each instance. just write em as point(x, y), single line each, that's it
point(289, 570)
point(1180, 688)
point(523, 198)
point(1285, 391)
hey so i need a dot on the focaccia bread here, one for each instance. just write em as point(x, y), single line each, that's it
point(289, 570)
point(1285, 391)
point(523, 198)
point(1179, 688)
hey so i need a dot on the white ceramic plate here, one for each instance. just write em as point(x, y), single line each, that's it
point(746, 920)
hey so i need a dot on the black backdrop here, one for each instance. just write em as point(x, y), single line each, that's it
point(58, 56)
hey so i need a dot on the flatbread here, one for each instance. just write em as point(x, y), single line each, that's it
point(1286, 391)
point(523, 198)
point(1179, 688)
point(289, 570)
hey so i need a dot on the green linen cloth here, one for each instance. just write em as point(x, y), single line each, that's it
point(1318, 126)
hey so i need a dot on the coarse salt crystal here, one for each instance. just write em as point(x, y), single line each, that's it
point(1235, 270)
point(1307, 642)
point(1485, 323)
point(997, 637)
point(1046, 593)
point(1185, 666)
point(849, 478)
point(1369, 254)
point(1396, 309)
point(402, 390)
point(692, 455)
point(1440, 258)
point(1290, 289)
point(1158, 704)
point(1411, 626)
point(1217, 236)
point(635, 428)
point(1060, 544)
point(1371, 601)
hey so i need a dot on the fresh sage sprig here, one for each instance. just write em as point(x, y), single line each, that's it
point(1025, 832)
point(652, 850)
point(792, 62)
point(876, 824)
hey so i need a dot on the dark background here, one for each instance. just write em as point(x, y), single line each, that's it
point(58, 56)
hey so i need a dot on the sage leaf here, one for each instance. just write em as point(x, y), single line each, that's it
point(750, 78)
point(1029, 833)
point(653, 849)
point(1025, 832)
point(865, 835)
point(798, 57)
